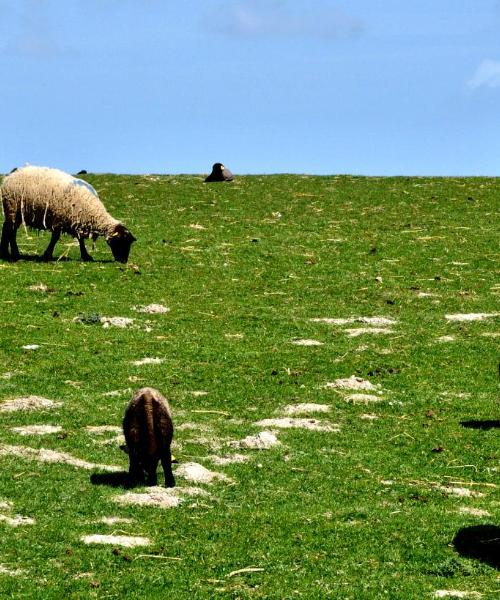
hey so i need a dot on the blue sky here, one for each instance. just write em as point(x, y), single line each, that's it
point(265, 86)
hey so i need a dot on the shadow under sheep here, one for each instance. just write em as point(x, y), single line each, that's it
point(481, 542)
point(120, 479)
point(486, 424)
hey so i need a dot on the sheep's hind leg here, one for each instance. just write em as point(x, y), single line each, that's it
point(83, 251)
point(166, 463)
point(9, 231)
point(6, 237)
point(47, 255)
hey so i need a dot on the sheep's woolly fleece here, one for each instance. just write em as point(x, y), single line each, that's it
point(126, 541)
point(28, 403)
point(262, 441)
point(51, 456)
point(35, 190)
point(289, 422)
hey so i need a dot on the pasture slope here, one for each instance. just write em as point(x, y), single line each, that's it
point(329, 348)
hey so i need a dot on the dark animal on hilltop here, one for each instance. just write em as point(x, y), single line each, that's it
point(44, 198)
point(219, 173)
point(149, 430)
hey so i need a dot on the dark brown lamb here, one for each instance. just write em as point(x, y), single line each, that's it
point(149, 430)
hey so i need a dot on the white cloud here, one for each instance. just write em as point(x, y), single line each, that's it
point(487, 74)
point(255, 18)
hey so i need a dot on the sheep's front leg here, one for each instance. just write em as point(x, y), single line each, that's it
point(47, 255)
point(83, 251)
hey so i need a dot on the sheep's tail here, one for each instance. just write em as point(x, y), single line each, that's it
point(149, 410)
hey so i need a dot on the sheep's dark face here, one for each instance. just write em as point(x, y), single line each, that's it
point(120, 241)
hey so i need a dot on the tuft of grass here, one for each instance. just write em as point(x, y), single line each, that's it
point(369, 511)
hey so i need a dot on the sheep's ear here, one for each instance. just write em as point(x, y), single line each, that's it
point(124, 447)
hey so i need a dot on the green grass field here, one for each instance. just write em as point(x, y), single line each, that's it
point(367, 509)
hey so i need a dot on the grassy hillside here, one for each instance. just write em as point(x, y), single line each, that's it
point(369, 503)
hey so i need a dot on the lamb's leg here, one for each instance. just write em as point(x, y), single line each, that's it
point(7, 230)
point(47, 255)
point(166, 463)
point(152, 478)
point(16, 255)
point(83, 251)
point(136, 472)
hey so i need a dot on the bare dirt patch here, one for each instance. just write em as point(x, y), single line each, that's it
point(307, 342)
point(11, 572)
point(114, 520)
point(126, 541)
point(120, 322)
point(159, 497)
point(367, 330)
point(199, 474)
point(374, 321)
point(471, 316)
point(296, 423)
point(362, 398)
point(152, 309)
point(262, 441)
point(445, 338)
point(148, 361)
point(306, 408)
point(456, 594)
point(475, 512)
point(230, 459)
point(28, 403)
point(458, 491)
point(52, 456)
point(352, 383)
point(103, 429)
point(16, 520)
point(37, 429)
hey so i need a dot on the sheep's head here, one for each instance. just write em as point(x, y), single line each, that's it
point(120, 241)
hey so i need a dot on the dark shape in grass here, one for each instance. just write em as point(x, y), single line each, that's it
point(118, 479)
point(40, 259)
point(481, 542)
point(219, 173)
point(487, 424)
point(90, 319)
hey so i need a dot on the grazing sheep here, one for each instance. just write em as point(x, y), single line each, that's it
point(44, 198)
point(148, 430)
point(219, 173)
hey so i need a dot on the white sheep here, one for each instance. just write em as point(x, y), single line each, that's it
point(44, 198)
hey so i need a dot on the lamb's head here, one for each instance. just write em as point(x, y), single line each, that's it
point(120, 241)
